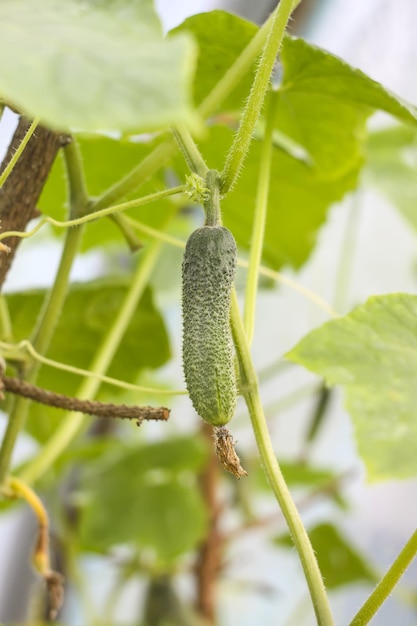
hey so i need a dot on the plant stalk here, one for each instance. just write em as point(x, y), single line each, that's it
point(387, 584)
point(190, 150)
point(250, 391)
point(243, 137)
point(258, 230)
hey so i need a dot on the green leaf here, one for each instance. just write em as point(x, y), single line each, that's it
point(94, 65)
point(324, 103)
point(221, 37)
point(88, 314)
point(339, 562)
point(391, 168)
point(148, 497)
point(299, 199)
point(372, 353)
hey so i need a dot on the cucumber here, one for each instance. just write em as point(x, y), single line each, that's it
point(208, 272)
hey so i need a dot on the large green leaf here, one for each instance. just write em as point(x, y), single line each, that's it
point(221, 37)
point(391, 168)
point(324, 103)
point(149, 496)
point(94, 65)
point(372, 353)
point(340, 563)
point(88, 314)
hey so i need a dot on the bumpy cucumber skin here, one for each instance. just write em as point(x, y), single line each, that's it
point(208, 271)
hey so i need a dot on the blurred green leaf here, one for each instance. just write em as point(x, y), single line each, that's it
point(372, 353)
point(340, 563)
point(391, 168)
point(149, 496)
point(324, 103)
point(221, 37)
point(89, 310)
point(95, 65)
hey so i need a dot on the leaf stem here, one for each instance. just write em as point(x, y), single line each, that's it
point(387, 583)
point(190, 150)
point(258, 229)
point(243, 137)
point(250, 391)
point(9, 167)
point(73, 422)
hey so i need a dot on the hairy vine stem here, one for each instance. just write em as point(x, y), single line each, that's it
point(243, 137)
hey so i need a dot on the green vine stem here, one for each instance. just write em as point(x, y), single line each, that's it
point(243, 137)
point(73, 423)
point(387, 583)
point(49, 314)
point(250, 391)
point(190, 151)
point(9, 167)
point(258, 229)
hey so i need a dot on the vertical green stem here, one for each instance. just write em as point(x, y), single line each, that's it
point(77, 192)
point(190, 151)
point(5, 321)
point(50, 311)
point(250, 391)
point(9, 167)
point(258, 229)
point(255, 101)
point(73, 422)
point(387, 584)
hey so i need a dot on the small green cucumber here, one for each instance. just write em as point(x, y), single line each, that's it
point(208, 271)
